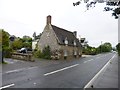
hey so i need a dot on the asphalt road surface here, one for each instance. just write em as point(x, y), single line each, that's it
point(71, 74)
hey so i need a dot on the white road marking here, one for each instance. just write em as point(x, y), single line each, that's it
point(92, 80)
point(18, 70)
point(7, 86)
point(32, 67)
point(85, 61)
point(88, 60)
point(60, 70)
point(14, 71)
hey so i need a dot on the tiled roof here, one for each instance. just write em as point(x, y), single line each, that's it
point(62, 34)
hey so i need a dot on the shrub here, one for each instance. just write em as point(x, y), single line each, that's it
point(7, 52)
point(38, 54)
point(46, 53)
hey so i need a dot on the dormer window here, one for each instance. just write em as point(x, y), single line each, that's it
point(66, 41)
point(74, 43)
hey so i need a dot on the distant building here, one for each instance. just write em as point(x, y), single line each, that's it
point(62, 42)
point(25, 36)
point(34, 41)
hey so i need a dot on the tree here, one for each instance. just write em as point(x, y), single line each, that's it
point(106, 47)
point(118, 48)
point(27, 45)
point(89, 50)
point(6, 50)
point(27, 42)
point(111, 5)
point(17, 44)
point(5, 39)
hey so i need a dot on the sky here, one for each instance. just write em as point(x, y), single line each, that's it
point(24, 17)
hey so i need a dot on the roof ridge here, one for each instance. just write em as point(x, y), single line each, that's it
point(63, 29)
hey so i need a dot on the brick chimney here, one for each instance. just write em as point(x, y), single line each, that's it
point(48, 19)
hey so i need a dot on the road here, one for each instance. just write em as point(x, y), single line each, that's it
point(66, 74)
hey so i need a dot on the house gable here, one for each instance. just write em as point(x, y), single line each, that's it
point(48, 38)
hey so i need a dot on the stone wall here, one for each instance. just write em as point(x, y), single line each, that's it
point(70, 51)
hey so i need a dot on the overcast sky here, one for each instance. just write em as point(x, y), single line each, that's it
point(23, 17)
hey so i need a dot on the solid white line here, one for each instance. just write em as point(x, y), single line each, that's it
point(17, 70)
point(61, 69)
point(91, 81)
point(6, 86)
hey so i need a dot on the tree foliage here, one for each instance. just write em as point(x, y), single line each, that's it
point(6, 50)
point(27, 42)
point(38, 54)
point(118, 48)
point(89, 50)
point(17, 44)
point(106, 47)
point(111, 5)
point(22, 42)
point(47, 52)
point(5, 39)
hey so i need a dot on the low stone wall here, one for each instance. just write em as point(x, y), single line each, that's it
point(22, 56)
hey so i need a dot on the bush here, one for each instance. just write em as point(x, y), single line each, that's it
point(46, 53)
point(7, 52)
point(38, 54)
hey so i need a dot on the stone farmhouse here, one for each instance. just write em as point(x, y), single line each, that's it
point(63, 43)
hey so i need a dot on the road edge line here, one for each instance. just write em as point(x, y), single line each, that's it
point(90, 82)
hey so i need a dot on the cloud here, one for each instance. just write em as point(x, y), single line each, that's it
point(23, 17)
